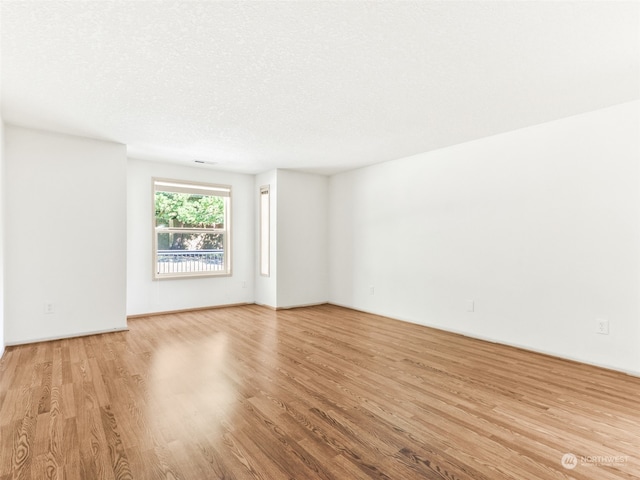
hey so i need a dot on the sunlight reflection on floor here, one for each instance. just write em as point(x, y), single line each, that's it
point(191, 386)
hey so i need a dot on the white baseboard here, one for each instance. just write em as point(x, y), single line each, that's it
point(570, 358)
point(185, 310)
point(289, 307)
point(71, 335)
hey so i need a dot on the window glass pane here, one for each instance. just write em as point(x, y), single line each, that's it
point(184, 210)
point(191, 228)
point(190, 241)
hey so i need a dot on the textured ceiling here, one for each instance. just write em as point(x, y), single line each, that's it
point(318, 86)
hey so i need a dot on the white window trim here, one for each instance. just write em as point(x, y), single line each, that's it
point(200, 188)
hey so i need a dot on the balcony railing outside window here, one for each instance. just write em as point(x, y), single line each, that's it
point(187, 261)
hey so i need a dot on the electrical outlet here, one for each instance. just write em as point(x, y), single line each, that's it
point(471, 306)
point(372, 290)
point(49, 308)
point(602, 326)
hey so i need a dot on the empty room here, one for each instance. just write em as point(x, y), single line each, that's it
point(319, 240)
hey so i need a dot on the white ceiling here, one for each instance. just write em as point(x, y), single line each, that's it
point(313, 85)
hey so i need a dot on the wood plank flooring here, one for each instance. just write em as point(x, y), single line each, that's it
point(313, 393)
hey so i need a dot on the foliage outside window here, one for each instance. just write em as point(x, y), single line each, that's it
point(191, 229)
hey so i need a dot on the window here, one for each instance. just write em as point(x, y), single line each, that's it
point(264, 231)
point(191, 229)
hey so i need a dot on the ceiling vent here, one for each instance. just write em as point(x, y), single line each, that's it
point(205, 162)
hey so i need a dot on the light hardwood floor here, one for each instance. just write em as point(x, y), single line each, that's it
point(313, 393)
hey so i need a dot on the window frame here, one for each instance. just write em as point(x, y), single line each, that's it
point(198, 188)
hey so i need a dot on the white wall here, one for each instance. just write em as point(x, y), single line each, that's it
point(540, 227)
point(299, 266)
point(66, 210)
point(145, 295)
point(302, 239)
point(1, 237)
point(267, 287)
